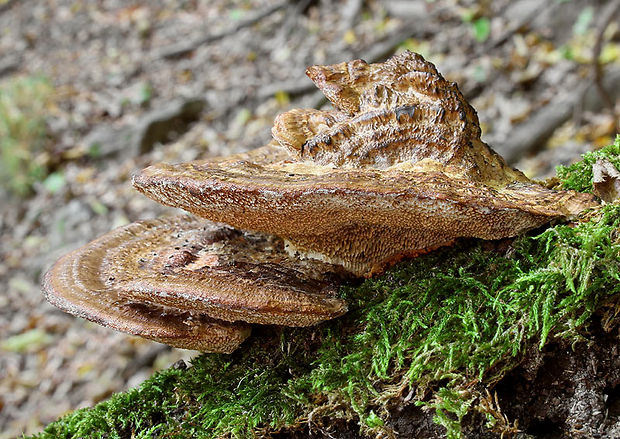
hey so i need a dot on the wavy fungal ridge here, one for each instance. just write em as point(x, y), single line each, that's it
point(79, 285)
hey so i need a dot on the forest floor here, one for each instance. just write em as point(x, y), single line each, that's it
point(91, 92)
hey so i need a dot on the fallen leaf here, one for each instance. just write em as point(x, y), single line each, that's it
point(606, 180)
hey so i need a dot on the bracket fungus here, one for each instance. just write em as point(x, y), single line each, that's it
point(395, 170)
point(190, 283)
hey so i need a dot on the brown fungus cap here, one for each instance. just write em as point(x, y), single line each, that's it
point(190, 284)
point(396, 170)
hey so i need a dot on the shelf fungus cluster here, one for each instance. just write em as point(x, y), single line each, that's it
point(395, 170)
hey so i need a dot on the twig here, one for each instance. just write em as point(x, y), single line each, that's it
point(514, 28)
point(7, 5)
point(597, 67)
point(534, 132)
point(350, 11)
point(530, 135)
point(181, 49)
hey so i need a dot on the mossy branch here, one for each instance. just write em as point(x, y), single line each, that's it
point(441, 328)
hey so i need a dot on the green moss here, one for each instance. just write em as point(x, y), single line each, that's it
point(448, 325)
point(578, 176)
point(135, 413)
point(24, 104)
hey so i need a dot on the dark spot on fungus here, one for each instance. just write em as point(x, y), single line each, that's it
point(408, 110)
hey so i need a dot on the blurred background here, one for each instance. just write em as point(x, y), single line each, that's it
point(92, 91)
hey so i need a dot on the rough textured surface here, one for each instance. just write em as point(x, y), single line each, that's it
point(357, 218)
point(174, 280)
point(566, 391)
point(397, 170)
point(399, 111)
point(83, 284)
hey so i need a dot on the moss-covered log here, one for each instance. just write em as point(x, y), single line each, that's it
point(431, 338)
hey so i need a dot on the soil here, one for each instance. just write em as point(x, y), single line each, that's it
point(567, 391)
point(563, 391)
point(127, 79)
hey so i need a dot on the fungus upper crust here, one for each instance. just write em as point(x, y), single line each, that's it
point(79, 285)
point(199, 266)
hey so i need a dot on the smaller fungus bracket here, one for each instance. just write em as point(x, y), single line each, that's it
point(199, 266)
point(191, 284)
point(76, 285)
